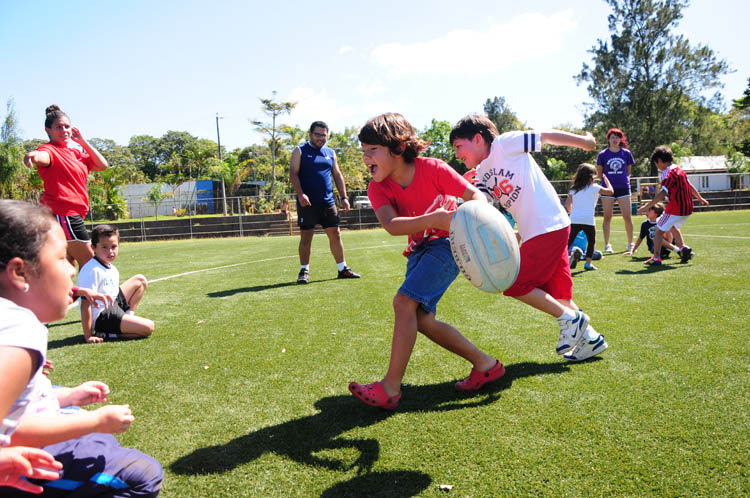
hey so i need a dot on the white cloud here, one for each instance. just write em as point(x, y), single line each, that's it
point(345, 49)
point(528, 36)
point(371, 89)
point(314, 105)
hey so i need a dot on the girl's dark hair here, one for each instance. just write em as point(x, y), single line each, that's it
point(23, 231)
point(619, 133)
point(467, 127)
point(583, 177)
point(392, 130)
point(53, 112)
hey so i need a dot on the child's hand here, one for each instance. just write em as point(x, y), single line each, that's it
point(442, 219)
point(589, 142)
point(17, 462)
point(92, 297)
point(470, 176)
point(704, 201)
point(47, 367)
point(89, 392)
point(114, 419)
point(94, 339)
point(627, 253)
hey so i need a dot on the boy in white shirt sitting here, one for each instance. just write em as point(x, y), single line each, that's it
point(117, 321)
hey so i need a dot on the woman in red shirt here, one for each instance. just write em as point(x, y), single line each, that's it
point(64, 171)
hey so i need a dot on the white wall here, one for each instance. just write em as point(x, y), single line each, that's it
point(183, 195)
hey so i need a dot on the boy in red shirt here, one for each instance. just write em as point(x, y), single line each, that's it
point(679, 208)
point(415, 196)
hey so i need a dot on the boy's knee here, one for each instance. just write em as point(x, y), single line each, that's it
point(142, 281)
point(144, 474)
point(402, 303)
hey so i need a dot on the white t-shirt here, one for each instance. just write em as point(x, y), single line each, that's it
point(20, 327)
point(105, 279)
point(510, 176)
point(584, 204)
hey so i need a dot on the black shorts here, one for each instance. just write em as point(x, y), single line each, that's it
point(619, 192)
point(325, 216)
point(109, 320)
point(73, 227)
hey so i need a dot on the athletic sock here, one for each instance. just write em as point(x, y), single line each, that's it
point(341, 265)
point(304, 267)
point(590, 334)
point(568, 314)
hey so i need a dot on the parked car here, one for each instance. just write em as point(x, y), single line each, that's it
point(361, 201)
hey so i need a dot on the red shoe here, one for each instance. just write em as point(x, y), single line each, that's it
point(374, 394)
point(477, 379)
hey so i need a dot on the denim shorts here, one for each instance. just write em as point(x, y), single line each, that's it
point(430, 270)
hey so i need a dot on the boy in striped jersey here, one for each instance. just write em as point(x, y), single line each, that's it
point(506, 172)
point(680, 205)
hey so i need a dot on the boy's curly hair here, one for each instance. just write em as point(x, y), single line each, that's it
point(392, 130)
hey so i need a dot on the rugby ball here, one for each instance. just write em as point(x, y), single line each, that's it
point(484, 246)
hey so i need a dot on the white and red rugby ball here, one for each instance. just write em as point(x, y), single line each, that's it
point(484, 246)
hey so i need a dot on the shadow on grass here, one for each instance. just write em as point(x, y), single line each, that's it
point(73, 340)
point(648, 269)
point(307, 439)
point(260, 288)
point(391, 484)
point(62, 324)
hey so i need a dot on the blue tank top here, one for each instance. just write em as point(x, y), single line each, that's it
point(315, 169)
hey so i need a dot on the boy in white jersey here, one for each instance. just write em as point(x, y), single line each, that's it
point(506, 172)
point(99, 274)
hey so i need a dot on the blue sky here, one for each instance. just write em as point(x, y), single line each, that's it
point(145, 67)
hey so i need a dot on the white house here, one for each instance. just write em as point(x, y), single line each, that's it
point(706, 172)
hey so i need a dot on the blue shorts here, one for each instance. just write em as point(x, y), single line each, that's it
point(618, 193)
point(96, 465)
point(430, 270)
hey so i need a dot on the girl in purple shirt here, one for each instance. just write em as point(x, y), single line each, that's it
point(615, 162)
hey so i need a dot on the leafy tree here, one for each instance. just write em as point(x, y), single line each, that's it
point(273, 109)
point(155, 197)
point(501, 114)
point(438, 134)
point(13, 173)
point(145, 150)
point(739, 122)
point(646, 79)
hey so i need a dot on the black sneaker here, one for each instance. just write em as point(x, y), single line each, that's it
point(685, 254)
point(347, 273)
point(303, 277)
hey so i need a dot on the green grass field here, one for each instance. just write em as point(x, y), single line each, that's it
point(242, 389)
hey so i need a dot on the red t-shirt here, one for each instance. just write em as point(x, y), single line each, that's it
point(435, 185)
point(680, 197)
point(64, 180)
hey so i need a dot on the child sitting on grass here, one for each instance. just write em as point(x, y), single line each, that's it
point(100, 275)
point(415, 196)
point(648, 231)
point(36, 287)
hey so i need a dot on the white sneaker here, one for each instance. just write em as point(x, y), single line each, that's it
point(575, 256)
point(586, 349)
point(608, 249)
point(571, 332)
point(630, 247)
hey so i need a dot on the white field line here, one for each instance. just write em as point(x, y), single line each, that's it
point(740, 237)
point(258, 261)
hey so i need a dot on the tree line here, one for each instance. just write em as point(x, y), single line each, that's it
point(645, 80)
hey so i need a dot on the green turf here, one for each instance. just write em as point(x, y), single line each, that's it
point(242, 389)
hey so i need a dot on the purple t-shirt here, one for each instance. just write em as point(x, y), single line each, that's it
point(615, 166)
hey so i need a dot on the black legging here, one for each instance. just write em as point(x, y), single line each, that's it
point(590, 231)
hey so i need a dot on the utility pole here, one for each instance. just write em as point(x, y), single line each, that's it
point(223, 189)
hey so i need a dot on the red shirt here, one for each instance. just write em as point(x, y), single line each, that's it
point(64, 180)
point(435, 185)
point(680, 197)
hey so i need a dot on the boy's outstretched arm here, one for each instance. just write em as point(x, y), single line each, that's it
point(658, 198)
point(697, 195)
point(567, 139)
point(86, 323)
point(39, 430)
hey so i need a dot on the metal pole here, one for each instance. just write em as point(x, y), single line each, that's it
point(223, 190)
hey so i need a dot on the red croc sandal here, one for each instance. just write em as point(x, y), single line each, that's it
point(477, 379)
point(374, 394)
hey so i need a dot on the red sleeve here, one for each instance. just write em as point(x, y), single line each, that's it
point(85, 159)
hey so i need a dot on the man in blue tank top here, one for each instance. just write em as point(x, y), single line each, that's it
point(312, 171)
